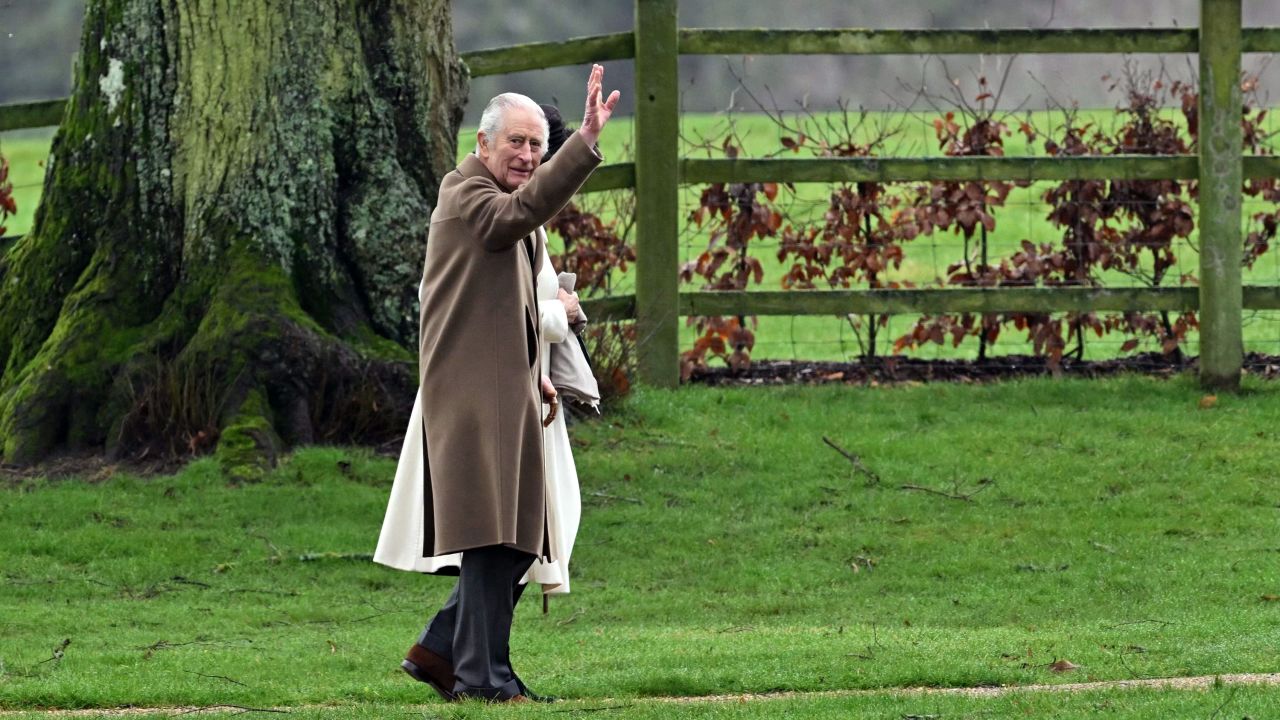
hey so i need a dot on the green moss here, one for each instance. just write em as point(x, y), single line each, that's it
point(252, 298)
point(70, 374)
point(374, 346)
point(249, 446)
point(255, 284)
point(39, 431)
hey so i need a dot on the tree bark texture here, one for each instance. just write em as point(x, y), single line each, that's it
point(232, 229)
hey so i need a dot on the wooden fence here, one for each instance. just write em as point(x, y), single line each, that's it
point(656, 44)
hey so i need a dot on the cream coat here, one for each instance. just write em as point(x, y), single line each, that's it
point(401, 530)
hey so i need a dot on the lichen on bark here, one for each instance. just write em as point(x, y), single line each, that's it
point(239, 191)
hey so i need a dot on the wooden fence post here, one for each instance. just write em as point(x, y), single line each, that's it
point(1221, 155)
point(657, 191)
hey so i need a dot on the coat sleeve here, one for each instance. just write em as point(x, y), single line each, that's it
point(502, 219)
point(554, 321)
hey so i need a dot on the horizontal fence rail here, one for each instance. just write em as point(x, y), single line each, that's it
point(22, 116)
point(620, 176)
point(859, 41)
point(931, 301)
point(844, 41)
point(544, 55)
point(1128, 167)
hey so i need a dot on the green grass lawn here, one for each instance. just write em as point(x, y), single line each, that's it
point(724, 549)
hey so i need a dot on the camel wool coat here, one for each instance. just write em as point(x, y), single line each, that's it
point(400, 542)
point(478, 355)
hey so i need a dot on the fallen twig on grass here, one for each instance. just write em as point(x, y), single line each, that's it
point(150, 591)
point(1139, 622)
point(186, 581)
point(858, 465)
point(1132, 673)
point(150, 650)
point(576, 614)
point(1230, 696)
point(281, 593)
point(372, 617)
point(274, 550)
point(870, 653)
point(58, 652)
point(983, 484)
point(217, 677)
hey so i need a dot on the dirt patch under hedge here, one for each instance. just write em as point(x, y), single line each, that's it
point(897, 369)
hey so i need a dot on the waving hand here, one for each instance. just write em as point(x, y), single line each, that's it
point(598, 111)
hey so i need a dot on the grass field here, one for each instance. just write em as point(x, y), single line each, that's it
point(832, 338)
point(724, 549)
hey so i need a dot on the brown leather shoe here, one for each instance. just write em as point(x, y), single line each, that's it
point(532, 696)
point(428, 667)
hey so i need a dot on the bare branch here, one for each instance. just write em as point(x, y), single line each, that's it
point(217, 677)
point(983, 484)
point(872, 477)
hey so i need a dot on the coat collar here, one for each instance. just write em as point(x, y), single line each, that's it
point(472, 166)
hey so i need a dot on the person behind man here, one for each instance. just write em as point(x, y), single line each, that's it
point(560, 320)
point(480, 381)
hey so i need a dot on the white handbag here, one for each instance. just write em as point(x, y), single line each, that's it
point(570, 370)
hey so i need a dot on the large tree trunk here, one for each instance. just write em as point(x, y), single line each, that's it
point(232, 229)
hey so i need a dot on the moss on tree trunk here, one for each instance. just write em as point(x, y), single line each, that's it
point(232, 227)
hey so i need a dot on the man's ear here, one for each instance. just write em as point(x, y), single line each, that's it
point(482, 145)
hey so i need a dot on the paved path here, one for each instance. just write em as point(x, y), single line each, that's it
point(1200, 682)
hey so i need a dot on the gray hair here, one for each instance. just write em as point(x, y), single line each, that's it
point(494, 117)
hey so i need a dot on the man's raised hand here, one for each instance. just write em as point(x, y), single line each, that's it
point(598, 112)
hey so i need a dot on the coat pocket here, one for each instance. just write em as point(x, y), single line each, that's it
point(531, 339)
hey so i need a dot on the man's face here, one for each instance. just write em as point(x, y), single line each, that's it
point(517, 150)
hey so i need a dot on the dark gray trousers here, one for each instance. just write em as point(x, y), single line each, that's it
point(473, 629)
